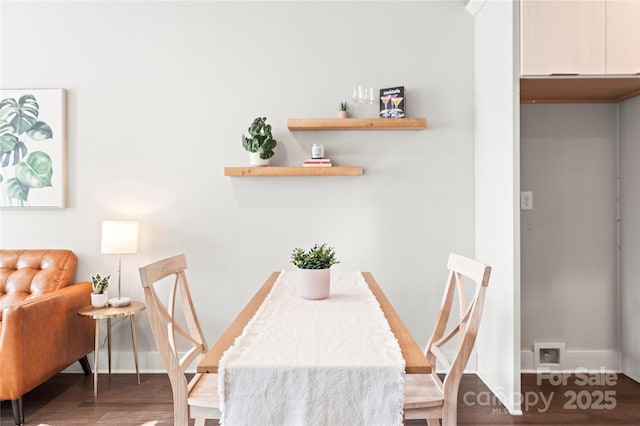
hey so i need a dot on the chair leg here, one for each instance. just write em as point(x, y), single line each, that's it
point(84, 362)
point(200, 422)
point(18, 412)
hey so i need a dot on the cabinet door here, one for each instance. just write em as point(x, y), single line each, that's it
point(623, 36)
point(563, 37)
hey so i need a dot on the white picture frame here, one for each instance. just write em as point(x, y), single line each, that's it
point(33, 140)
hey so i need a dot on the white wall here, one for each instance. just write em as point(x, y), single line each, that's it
point(497, 183)
point(569, 239)
point(630, 236)
point(158, 96)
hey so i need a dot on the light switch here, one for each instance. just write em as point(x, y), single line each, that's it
point(526, 200)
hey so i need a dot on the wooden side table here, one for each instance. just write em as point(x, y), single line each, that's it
point(109, 312)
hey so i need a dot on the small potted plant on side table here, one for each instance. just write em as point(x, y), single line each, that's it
point(99, 297)
point(260, 142)
point(314, 270)
point(343, 111)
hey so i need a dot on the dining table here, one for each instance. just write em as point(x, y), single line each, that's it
point(323, 386)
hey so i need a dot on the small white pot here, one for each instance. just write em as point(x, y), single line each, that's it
point(343, 114)
point(313, 284)
point(255, 160)
point(99, 300)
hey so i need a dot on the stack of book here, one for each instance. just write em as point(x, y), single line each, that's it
point(317, 162)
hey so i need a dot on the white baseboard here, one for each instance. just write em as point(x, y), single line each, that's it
point(586, 361)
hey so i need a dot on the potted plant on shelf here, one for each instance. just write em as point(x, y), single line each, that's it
point(343, 111)
point(314, 270)
point(260, 142)
point(99, 297)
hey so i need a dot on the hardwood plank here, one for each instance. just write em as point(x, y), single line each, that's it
point(67, 399)
point(271, 171)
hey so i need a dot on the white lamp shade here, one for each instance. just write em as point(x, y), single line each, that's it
point(119, 237)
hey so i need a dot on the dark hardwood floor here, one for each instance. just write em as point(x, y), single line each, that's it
point(67, 399)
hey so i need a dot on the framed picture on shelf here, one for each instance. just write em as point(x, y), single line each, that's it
point(392, 102)
point(32, 148)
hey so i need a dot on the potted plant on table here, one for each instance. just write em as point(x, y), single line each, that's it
point(314, 270)
point(343, 111)
point(99, 297)
point(260, 142)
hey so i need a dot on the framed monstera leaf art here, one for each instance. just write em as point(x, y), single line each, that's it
point(32, 148)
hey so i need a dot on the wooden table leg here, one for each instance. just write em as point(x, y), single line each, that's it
point(109, 343)
point(96, 350)
point(134, 336)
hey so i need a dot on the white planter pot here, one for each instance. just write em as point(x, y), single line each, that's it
point(255, 160)
point(313, 284)
point(99, 300)
point(343, 114)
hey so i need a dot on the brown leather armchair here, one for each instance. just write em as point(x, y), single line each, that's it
point(40, 331)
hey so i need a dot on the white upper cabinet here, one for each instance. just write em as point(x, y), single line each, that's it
point(623, 37)
point(589, 37)
point(563, 37)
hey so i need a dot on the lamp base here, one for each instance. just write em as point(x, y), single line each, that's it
point(119, 301)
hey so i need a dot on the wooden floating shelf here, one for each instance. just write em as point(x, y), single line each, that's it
point(356, 123)
point(292, 171)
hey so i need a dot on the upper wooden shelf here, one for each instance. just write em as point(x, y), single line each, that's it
point(292, 171)
point(577, 89)
point(356, 123)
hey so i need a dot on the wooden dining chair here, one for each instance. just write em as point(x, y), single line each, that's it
point(426, 396)
point(198, 398)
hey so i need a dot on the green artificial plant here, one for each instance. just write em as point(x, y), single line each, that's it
point(260, 138)
point(318, 257)
point(343, 106)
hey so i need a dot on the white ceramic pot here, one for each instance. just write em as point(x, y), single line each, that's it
point(313, 284)
point(99, 300)
point(255, 160)
point(343, 114)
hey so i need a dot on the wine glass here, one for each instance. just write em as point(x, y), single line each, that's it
point(357, 96)
point(369, 99)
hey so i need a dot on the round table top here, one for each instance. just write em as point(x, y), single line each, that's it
point(113, 311)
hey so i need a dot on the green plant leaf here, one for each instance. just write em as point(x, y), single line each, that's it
point(19, 151)
point(22, 115)
point(35, 171)
point(260, 138)
point(5, 127)
point(318, 257)
point(7, 142)
point(40, 131)
point(17, 190)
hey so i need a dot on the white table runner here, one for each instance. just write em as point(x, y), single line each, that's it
point(302, 362)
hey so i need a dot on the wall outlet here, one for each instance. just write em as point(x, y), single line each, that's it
point(526, 200)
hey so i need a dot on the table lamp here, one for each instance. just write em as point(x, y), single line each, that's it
point(119, 237)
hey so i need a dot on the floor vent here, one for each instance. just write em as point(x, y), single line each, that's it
point(548, 355)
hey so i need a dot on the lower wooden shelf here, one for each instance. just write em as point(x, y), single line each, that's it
point(292, 171)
